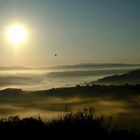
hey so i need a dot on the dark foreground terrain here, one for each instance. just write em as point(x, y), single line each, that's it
point(80, 123)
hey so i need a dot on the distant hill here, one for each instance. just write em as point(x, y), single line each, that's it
point(132, 77)
point(74, 66)
point(11, 91)
point(95, 65)
point(77, 73)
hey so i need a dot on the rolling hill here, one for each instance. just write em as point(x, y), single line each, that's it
point(132, 77)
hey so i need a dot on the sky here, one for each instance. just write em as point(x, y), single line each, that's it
point(78, 31)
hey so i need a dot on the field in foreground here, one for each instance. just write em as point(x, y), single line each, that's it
point(79, 123)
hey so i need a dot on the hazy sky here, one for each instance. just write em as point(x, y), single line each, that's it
point(78, 31)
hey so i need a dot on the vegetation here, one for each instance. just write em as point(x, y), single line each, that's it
point(79, 123)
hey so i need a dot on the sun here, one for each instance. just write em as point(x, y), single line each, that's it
point(16, 34)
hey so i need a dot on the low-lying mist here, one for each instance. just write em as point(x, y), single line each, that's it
point(46, 78)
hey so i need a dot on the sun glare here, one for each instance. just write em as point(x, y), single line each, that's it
point(16, 34)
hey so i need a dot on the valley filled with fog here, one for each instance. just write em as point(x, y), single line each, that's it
point(59, 76)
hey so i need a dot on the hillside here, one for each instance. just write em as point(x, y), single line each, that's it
point(132, 77)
